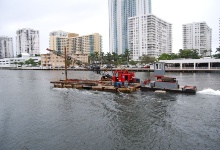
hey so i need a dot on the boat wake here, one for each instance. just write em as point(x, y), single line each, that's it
point(209, 92)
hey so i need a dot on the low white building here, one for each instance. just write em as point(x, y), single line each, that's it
point(203, 63)
point(16, 62)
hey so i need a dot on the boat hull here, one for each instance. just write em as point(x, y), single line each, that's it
point(180, 90)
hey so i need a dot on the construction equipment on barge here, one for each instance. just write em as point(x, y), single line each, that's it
point(163, 83)
point(121, 81)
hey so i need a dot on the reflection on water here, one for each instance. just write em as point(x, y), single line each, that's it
point(35, 116)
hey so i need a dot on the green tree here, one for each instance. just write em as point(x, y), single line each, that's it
point(37, 55)
point(16, 63)
point(96, 57)
point(109, 57)
point(187, 53)
point(31, 62)
point(78, 62)
point(21, 63)
point(115, 56)
point(133, 62)
point(145, 59)
point(217, 56)
point(68, 62)
point(92, 57)
point(166, 56)
point(102, 57)
point(19, 55)
point(127, 55)
point(204, 52)
point(217, 50)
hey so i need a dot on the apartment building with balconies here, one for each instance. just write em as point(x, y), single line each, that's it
point(27, 41)
point(6, 47)
point(197, 35)
point(149, 35)
point(77, 47)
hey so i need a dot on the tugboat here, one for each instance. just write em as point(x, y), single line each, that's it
point(165, 84)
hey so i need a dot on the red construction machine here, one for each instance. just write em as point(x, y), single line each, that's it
point(121, 78)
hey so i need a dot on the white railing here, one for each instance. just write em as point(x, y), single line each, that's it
point(216, 68)
point(192, 68)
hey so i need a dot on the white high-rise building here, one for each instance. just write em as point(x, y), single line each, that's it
point(198, 35)
point(149, 35)
point(6, 47)
point(27, 41)
point(119, 12)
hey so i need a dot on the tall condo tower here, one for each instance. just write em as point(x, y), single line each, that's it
point(198, 35)
point(27, 41)
point(149, 35)
point(6, 47)
point(119, 12)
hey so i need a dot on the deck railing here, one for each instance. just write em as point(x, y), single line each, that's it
point(192, 68)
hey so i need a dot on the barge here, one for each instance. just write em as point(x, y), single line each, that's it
point(163, 83)
point(96, 85)
point(121, 80)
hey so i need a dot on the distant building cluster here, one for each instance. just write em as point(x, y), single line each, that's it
point(28, 46)
point(132, 26)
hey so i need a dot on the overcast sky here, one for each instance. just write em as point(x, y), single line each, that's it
point(90, 16)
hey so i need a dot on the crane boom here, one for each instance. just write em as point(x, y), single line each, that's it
point(58, 53)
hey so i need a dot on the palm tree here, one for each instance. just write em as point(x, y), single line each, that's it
point(96, 57)
point(109, 57)
point(16, 63)
point(102, 56)
point(115, 56)
point(92, 57)
point(127, 54)
point(217, 50)
point(205, 51)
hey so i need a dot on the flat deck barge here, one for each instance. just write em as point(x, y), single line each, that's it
point(96, 85)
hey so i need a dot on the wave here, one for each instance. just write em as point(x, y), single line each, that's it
point(73, 90)
point(209, 91)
